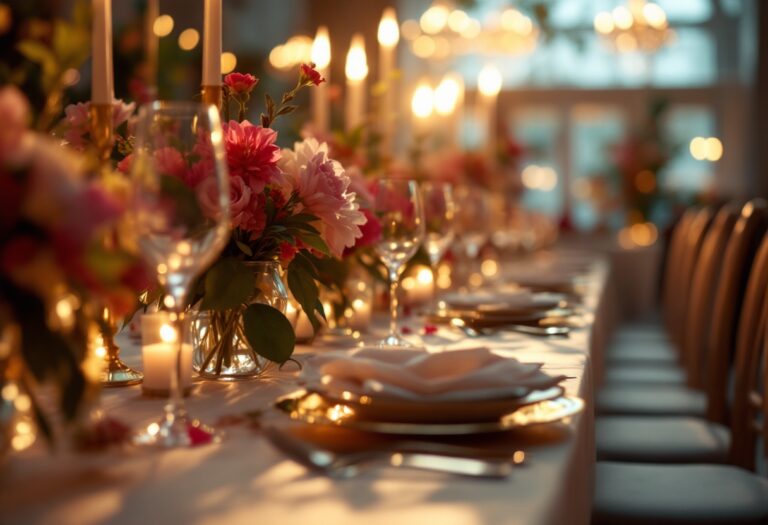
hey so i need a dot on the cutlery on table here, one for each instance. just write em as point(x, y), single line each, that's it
point(540, 331)
point(352, 464)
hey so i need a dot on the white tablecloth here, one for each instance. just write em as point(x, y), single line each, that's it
point(245, 480)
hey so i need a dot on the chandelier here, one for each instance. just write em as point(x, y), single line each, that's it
point(640, 26)
point(443, 31)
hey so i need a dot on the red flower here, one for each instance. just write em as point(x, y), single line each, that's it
point(310, 75)
point(240, 83)
point(287, 252)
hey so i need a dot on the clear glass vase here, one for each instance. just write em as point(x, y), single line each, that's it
point(221, 350)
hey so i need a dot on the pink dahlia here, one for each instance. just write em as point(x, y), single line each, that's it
point(252, 154)
point(322, 187)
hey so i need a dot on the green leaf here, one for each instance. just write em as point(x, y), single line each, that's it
point(316, 242)
point(269, 332)
point(228, 284)
point(244, 248)
point(304, 290)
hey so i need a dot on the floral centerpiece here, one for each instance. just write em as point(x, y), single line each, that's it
point(54, 218)
point(291, 208)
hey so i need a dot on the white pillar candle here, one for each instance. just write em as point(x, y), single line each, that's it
point(422, 106)
point(356, 70)
point(151, 45)
point(488, 87)
point(360, 315)
point(159, 345)
point(419, 287)
point(102, 85)
point(321, 56)
point(388, 36)
point(212, 43)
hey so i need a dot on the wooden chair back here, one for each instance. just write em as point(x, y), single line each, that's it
point(672, 267)
point(703, 286)
point(737, 263)
point(692, 243)
point(750, 349)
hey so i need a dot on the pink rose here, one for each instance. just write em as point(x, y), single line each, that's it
point(208, 197)
point(240, 201)
point(240, 83)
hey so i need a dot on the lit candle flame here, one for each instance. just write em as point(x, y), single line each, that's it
point(389, 30)
point(357, 63)
point(321, 48)
point(489, 81)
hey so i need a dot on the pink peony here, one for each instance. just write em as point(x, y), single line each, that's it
point(14, 114)
point(78, 121)
point(371, 230)
point(322, 187)
point(252, 154)
point(240, 83)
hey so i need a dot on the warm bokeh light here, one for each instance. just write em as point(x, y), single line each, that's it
point(542, 178)
point(422, 102)
point(168, 333)
point(410, 30)
point(622, 17)
point(321, 48)
point(655, 15)
point(6, 18)
point(228, 62)
point(447, 94)
point(714, 149)
point(357, 63)
point(458, 21)
point(706, 148)
point(163, 25)
point(604, 23)
point(434, 19)
point(188, 39)
point(489, 81)
point(472, 30)
point(424, 46)
point(389, 30)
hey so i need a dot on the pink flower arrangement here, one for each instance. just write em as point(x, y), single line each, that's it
point(77, 121)
point(321, 184)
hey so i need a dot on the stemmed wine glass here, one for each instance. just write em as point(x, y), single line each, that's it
point(474, 218)
point(439, 211)
point(397, 205)
point(180, 211)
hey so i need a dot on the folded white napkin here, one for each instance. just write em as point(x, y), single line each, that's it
point(466, 374)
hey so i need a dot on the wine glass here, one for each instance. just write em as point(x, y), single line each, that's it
point(180, 211)
point(439, 211)
point(474, 222)
point(397, 205)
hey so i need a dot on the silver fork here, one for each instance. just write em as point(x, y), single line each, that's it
point(350, 465)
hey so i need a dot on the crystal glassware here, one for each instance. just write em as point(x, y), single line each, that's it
point(180, 212)
point(439, 213)
point(398, 206)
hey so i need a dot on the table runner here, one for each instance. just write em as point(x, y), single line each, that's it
point(245, 480)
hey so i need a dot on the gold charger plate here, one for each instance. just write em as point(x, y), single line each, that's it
point(312, 408)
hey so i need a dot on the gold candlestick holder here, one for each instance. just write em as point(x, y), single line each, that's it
point(102, 132)
point(116, 373)
point(211, 95)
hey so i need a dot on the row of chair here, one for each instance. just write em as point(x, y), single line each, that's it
point(682, 407)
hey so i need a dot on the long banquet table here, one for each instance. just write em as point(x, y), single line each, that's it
point(245, 480)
